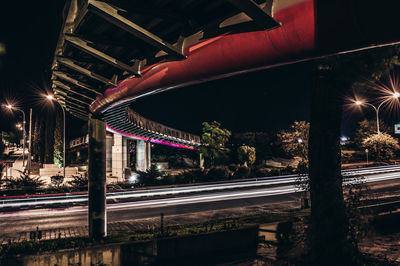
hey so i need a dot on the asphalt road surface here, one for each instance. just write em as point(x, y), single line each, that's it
point(26, 220)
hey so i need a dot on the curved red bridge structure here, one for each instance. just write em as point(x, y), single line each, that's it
point(309, 29)
point(244, 35)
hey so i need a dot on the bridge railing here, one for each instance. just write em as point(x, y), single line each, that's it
point(144, 123)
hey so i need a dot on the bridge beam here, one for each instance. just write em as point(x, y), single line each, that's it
point(67, 88)
point(252, 10)
point(97, 178)
point(83, 45)
point(69, 99)
point(69, 102)
point(67, 78)
point(72, 65)
point(111, 14)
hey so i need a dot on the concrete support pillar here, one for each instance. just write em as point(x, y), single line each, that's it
point(201, 160)
point(97, 178)
point(143, 155)
point(119, 156)
point(148, 155)
point(109, 144)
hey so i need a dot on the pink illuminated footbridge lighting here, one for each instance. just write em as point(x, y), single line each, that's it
point(156, 141)
point(173, 144)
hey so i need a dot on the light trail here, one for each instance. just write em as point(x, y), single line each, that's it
point(371, 175)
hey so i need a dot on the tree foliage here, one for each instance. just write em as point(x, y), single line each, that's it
point(58, 141)
point(246, 155)
point(2, 147)
point(214, 139)
point(264, 143)
point(35, 136)
point(381, 146)
point(294, 141)
point(41, 140)
point(367, 128)
point(49, 139)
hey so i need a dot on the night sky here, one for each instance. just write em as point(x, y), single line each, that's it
point(266, 100)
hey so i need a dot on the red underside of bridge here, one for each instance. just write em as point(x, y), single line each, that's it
point(309, 29)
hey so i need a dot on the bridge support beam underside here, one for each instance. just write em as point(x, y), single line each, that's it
point(97, 178)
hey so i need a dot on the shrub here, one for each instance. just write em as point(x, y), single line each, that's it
point(24, 182)
point(57, 180)
point(242, 172)
point(258, 171)
point(79, 182)
point(246, 155)
point(381, 146)
point(150, 178)
point(217, 173)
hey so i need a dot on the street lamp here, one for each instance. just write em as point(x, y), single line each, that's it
point(10, 107)
point(395, 95)
point(52, 99)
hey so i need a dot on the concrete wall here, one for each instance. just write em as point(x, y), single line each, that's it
point(201, 249)
point(119, 156)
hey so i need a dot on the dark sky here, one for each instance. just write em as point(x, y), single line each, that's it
point(261, 101)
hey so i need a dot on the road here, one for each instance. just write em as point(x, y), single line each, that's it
point(52, 218)
point(35, 201)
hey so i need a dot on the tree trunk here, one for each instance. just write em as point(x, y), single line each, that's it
point(328, 223)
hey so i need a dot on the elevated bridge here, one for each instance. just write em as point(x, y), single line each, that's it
point(112, 52)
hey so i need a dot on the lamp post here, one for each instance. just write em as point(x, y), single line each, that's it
point(395, 95)
point(51, 98)
point(10, 107)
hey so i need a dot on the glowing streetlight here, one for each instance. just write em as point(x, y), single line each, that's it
point(10, 107)
point(395, 95)
point(52, 99)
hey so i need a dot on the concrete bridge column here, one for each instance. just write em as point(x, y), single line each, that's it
point(143, 156)
point(109, 144)
point(97, 178)
point(119, 156)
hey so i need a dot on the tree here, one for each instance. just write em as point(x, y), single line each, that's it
point(49, 139)
point(329, 226)
point(2, 148)
point(246, 155)
point(264, 143)
point(381, 146)
point(58, 142)
point(35, 139)
point(367, 128)
point(42, 140)
point(13, 137)
point(294, 141)
point(214, 139)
